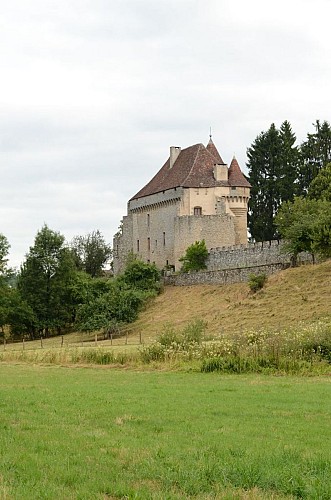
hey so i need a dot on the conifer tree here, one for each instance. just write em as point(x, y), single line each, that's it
point(315, 154)
point(273, 162)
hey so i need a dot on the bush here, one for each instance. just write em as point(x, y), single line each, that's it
point(257, 281)
point(195, 257)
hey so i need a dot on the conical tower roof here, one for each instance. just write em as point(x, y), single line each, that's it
point(213, 151)
point(236, 177)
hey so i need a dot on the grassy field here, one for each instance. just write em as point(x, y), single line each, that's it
point(98, 433)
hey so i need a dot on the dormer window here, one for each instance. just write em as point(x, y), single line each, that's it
point(197, 211)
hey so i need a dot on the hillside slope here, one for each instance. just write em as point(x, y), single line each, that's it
point(293, 295)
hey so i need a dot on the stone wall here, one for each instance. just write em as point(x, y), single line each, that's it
point(222, 277)
point(252, 254)
point(235, 264)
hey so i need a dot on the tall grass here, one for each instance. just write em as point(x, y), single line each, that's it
point(303, 350)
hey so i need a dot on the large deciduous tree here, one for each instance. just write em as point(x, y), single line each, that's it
point(91, 253)
point(320, 188)
point(45, 281)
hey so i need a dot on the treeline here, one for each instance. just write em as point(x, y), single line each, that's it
point(281, 171)
point(63, 286)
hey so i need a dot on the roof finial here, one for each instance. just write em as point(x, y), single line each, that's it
point(210, 133)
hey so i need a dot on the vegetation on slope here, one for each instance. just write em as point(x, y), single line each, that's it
point(291, 296)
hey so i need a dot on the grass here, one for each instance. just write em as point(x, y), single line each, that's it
point(83, 433)
point(293, 295)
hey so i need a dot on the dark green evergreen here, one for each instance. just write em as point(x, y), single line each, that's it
point(272, 165)
point(315, 154)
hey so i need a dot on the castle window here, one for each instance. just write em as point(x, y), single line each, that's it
point(148, 244)
point(148, 220)
point(138, 245)
point(164, 239)
point(155, 243)
point(197, 211)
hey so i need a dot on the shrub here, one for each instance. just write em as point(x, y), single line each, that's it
point(195, 257)
point(257, 281)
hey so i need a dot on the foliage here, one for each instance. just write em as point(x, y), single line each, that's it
point(315, 154)
point(91, 253)
point(272, 165)
point(172, 343)
point(320, 188)
point(44, 281)
point(119, 300)
point(305, 224)
point(118, 303)
point(195, 257)
point(141, 275)
point(257, 281)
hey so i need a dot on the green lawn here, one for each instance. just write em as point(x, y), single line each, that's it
point(100, 433)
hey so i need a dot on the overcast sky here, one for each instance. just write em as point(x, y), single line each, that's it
point(94, 92)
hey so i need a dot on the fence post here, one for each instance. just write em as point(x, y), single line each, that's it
point(96, 339)
point(126, 338)
point(4, 343)
point(111, 338)
point(62, 341)
point(140, 342)
point(41, 342)
point(23, 344)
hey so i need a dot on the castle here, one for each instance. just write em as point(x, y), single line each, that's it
point(195, 196)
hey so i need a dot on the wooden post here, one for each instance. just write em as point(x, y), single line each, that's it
point(23, 344)
point(126, 337)
point(4, 343)
point(140, 342)
point(62, 341)
point(41, 342)
point(96, 339)
point(111, 338)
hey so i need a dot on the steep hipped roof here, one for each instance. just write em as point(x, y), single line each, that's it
point(193, 168)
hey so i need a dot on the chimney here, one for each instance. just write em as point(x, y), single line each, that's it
point(174, 153)
point(220, 172)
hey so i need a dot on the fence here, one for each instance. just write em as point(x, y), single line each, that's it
point(63, 341)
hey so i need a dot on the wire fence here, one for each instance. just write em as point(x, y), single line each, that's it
point(63, 341)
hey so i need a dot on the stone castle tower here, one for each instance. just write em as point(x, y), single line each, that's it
point(194, 196)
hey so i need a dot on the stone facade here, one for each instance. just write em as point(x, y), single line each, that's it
point(194, 196)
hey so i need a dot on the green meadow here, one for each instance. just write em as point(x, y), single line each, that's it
point(105, 433)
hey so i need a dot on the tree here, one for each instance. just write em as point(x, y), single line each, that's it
point(4, 287)
point(195, 257)
point(320, 188)
point(305, 224)
point(116, 301)
point(315, 154)
point(141, 275)
point(91, 253)
point(272, 165)
point(44, 281)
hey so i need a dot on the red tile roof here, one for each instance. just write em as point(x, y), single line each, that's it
point(236, 177)
point(193, 168)
point(212, 149)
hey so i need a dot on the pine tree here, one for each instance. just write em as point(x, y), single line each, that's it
point(273, 163)
point(264, 170)
point(289, 162)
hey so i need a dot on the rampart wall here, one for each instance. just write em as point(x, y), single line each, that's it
point(235, 264)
